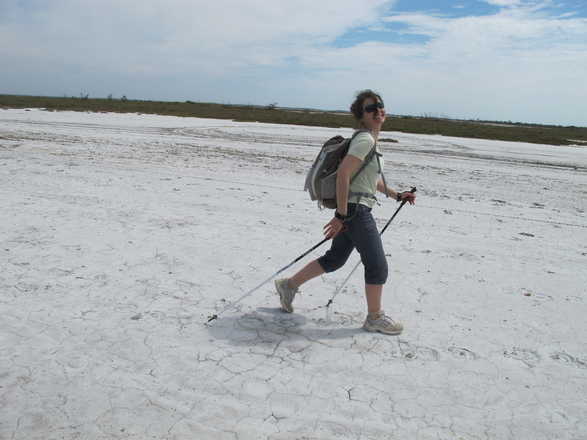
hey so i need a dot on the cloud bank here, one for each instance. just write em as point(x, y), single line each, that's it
point(524, 62)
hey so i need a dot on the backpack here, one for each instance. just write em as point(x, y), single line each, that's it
point(321, 178)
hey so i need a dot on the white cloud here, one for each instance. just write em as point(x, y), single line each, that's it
point(182, 33)
point(503, 2)
point(520, 63)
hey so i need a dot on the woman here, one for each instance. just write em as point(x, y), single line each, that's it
point(353, 225)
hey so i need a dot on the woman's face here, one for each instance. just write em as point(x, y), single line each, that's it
point(373, 114)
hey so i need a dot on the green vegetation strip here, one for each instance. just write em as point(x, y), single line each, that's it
point(516, 132)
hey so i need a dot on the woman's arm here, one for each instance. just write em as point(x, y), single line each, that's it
point(390, 192)
point(406, 196)
point(350, 164)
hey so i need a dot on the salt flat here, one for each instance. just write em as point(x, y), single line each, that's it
point(121, 234)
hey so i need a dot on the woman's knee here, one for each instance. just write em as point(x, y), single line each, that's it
point(377, 273)
point(331, 263)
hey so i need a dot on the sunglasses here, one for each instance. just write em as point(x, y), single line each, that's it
point(373, 107)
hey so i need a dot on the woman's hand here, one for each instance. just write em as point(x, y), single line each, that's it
point(407, 196)
point(333, 228)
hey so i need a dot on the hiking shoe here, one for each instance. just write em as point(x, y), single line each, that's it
point(380, 322)
point(286, 294)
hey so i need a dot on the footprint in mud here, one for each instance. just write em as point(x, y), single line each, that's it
point(529, 357)
point(462, 353)
point(411, 352)
point(566, 358)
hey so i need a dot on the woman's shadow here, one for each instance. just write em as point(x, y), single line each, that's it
point(267, 325)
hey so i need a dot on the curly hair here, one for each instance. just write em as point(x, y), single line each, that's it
point(357, 105)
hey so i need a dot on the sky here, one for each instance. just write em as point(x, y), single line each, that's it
point(505, 60)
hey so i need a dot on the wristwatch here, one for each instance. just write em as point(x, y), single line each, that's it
point(341, 217)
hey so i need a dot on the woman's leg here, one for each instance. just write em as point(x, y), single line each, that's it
point(309, 271)
point(373, 293)
point(368, 242)
point(333, 259)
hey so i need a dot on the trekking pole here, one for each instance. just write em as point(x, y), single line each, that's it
point(331, 300)
point(215, 316)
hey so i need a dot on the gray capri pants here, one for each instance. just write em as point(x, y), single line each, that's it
point(361, 232)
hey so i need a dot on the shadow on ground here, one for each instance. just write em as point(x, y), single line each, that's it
point(272, 325)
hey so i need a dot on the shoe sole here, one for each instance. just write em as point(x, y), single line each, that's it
point(377, 330)
point(283, 305)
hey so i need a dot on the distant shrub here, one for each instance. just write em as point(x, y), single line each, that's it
point(545, 134)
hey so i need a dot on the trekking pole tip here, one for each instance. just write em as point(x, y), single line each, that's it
point(329, 302)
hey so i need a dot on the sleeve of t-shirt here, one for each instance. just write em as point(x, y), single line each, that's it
point(361, 145)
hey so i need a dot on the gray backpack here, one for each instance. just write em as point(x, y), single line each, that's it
point(321, 178)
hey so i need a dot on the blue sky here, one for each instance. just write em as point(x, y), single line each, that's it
point(518, 60)
point(396, 32)
point(399, 32)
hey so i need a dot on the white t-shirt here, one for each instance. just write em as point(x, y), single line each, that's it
point(366, 182)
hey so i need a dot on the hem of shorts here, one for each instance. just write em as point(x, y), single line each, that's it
point(322, 265)
point(376, 284)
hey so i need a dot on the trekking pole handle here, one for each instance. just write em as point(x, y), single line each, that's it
point(413, 190)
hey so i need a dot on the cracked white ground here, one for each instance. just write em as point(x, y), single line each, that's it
point(121, 234)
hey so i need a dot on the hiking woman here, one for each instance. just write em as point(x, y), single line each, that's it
point(353, 225)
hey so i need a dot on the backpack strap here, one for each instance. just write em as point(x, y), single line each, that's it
point(367, 159)
point(382, 175)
